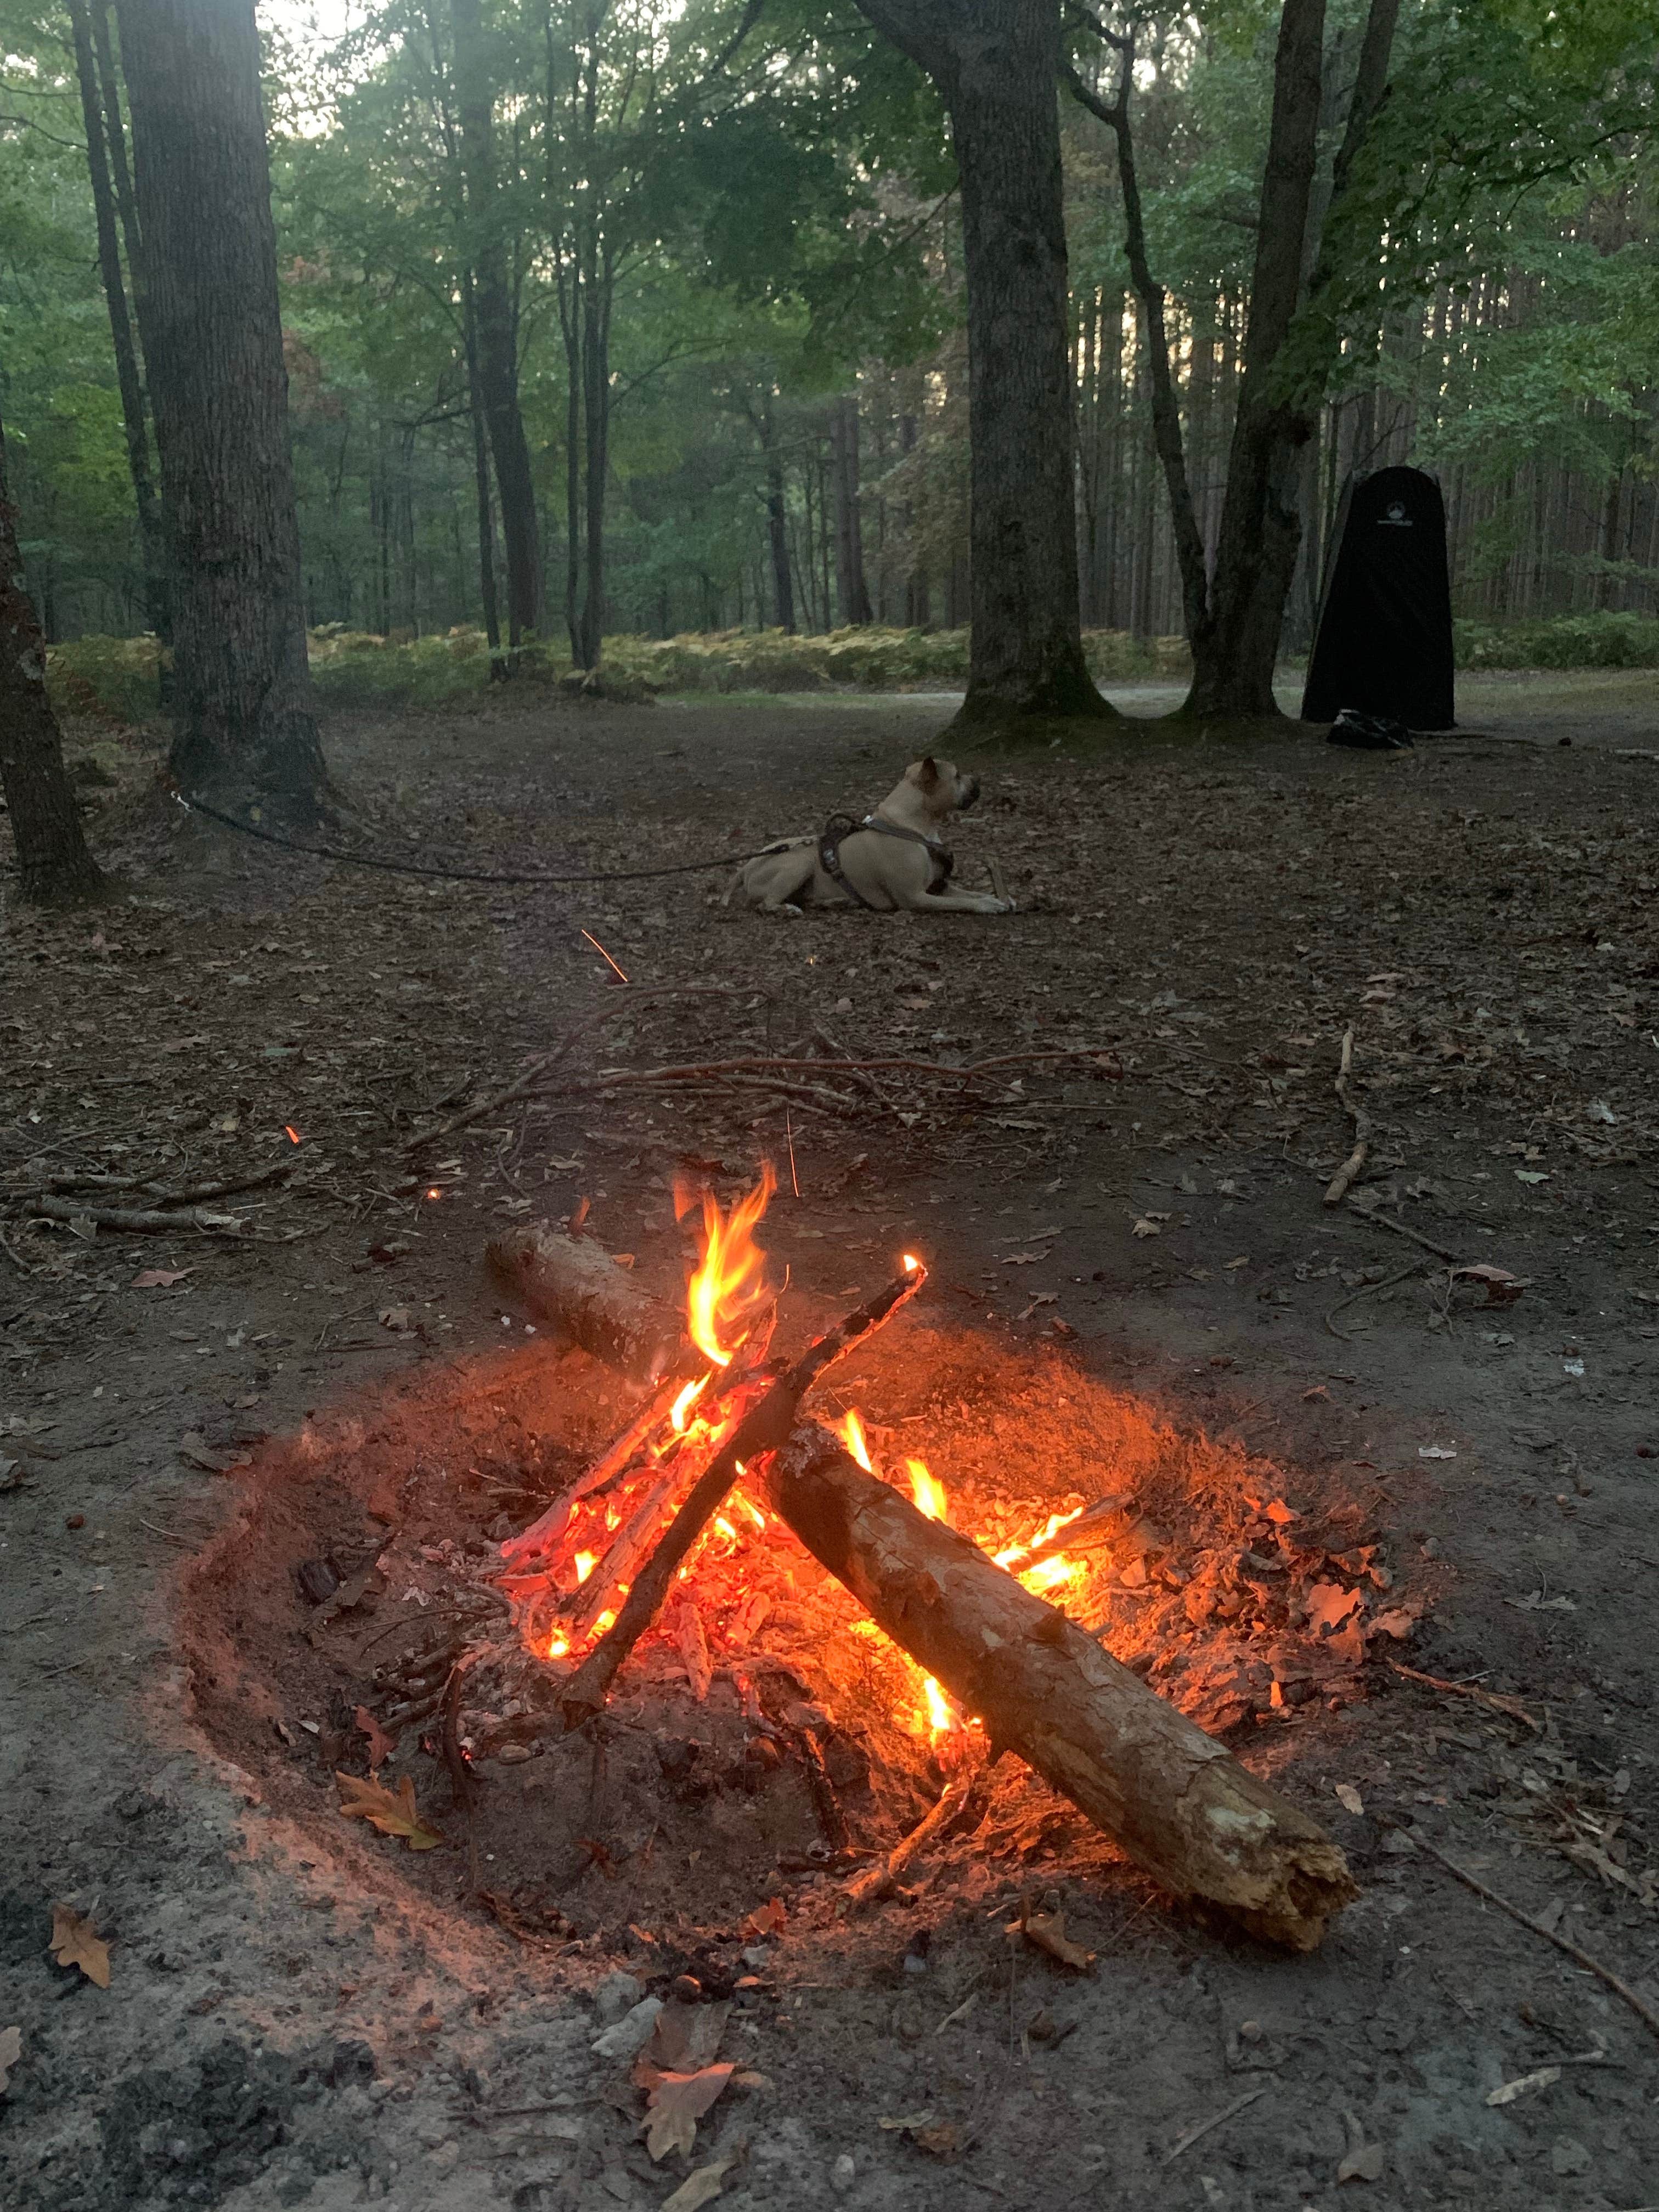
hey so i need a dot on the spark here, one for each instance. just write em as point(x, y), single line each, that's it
point(620, 973)
point(293, 1134)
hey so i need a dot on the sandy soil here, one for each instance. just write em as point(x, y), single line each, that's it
point(299, 2013)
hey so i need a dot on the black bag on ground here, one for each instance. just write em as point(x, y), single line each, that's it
point(1369, 733)
point(1384, 646)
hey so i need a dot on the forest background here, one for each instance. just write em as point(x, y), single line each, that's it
point(646, 321)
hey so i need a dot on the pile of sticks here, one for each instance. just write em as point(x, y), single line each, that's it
point(1175, 1799)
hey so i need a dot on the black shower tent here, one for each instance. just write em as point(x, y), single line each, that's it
point(1384, 641)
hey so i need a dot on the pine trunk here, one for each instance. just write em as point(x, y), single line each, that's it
point(852, 587)
point(53, 859)
point(245, 721)
point(996, 63)
point(777, 530)
point(1236, 645)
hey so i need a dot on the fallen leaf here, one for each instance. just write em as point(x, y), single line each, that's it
point(1365, 2164)
point(1437, 1451)
point(1242, 1261)
point(1150, 1225)
point(1279, 1513)
point(942, 2137)
point(392, 1816)
point(11, 2050)
point(398, 1319)
point(1502, 1288)
point(1330, 1606)
point(678, 2102)
point(1349, 1797)
point(12, 1476)
point(381, 1744)
point(1532, 1174)
point(75, 1944)
point(1041, 1298)
point(1047, 1931)
point(685, 2039)
point(767, 1919)
point(1398, 1622)
point(1535, 1601)
point(700, 2186)
point(1524, 2084)
point(196, 1452)
point(1024, 1259)
point(159, 1279)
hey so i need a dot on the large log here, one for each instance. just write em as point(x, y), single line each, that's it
point(573, 1283)
point(1178, 1802)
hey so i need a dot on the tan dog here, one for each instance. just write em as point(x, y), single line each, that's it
point(894, 859)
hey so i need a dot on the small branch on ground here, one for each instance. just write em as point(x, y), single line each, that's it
point(1342, 1180)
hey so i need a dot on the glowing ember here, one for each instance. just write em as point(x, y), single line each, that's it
point(604, 955)
point(726, 1528)
point(852, 1435)
point(911, 1263)
point(559, 1645)
point(684, 1402)
point(926, 1491)
point(585, 1563)
point(291, 1133)
point(729, 1284)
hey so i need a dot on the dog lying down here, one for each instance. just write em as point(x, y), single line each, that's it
point(893, 859)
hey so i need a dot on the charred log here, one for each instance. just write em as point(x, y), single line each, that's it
point(1178, 1803)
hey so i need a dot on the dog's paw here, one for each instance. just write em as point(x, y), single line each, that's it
point(1006, 906)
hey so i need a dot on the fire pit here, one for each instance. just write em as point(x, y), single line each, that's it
point(692, 1661)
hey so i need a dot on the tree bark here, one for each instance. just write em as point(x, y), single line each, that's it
point(245, 722)
point(128, 381)
point(574, 1284)
point(852, 586)
point(1178, 1803)
point(53, 859)
point(481, 487)
point(496, 321)
point(995, 63)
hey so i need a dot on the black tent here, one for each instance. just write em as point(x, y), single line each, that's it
point(1384, 641)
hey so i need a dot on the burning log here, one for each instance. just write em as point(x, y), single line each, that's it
point(1178, 1803)
point(763, 1429)
point(575, 1284)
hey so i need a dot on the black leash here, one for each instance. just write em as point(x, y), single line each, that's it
point(465, 875)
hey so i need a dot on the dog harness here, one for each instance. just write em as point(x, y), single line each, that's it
point(845, 825)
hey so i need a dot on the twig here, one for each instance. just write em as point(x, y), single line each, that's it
point(1639, 2006)
point(1366, 1291)
point(131, 1220)
point(165, 1197)
point(1216, 2120)
point(1339, 1186)
point(171, 1534)
point(617, 1079)
point(545, 1061)
point(881, 1879)
point(544, 1531)
point(764, 1428)
point(1400, 1228)
point(969, 1069)
point(839, 1051)
point(1495, 1699)
point(22, 1265)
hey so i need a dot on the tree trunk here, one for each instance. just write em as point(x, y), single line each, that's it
point(1235, 647)
point(52, 859)
point(783, 584)
point(481, 482)
point(1178, 1803)
point(852, 586)
point(245, 722)
point(120, 323)
point(600, 285)
point(496, 324)
point(995, 63)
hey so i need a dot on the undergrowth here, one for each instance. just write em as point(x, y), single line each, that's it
point(117, 677)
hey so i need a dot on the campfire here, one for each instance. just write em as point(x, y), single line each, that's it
point(757, 1623)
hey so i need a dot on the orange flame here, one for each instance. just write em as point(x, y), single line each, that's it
point(729, 1282)
point(926, 1491)
point(852, 1434)
point(1049, 1574)
point(940, 1719)
point(1052, 1527)
point(684, 1402)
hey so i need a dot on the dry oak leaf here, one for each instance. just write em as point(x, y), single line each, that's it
point(1047, 1931)
point(1150, 1225)
point(11, 2050)
point(75, 1944)
point(678, 2102)
point(381, 1744)
point(392, 1816)
point(159, 1279)
point(700, 2186)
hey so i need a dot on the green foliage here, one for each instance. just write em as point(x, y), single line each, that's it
point(1589, 640)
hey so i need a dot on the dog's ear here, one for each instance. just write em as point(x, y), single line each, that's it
point(927, 772)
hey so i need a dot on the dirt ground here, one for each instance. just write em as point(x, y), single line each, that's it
point(302, 2012)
